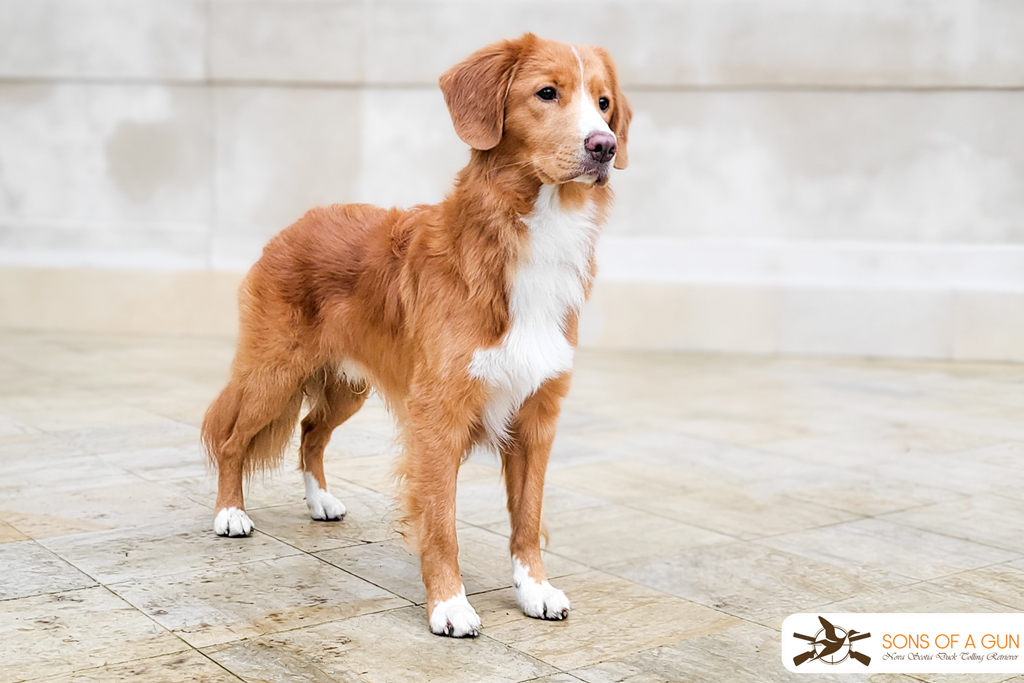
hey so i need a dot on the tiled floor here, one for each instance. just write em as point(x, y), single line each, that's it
point(693, 503)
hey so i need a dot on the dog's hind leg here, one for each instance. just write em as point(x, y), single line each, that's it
point(246, 429)
point(332, 400)
point(524, 461)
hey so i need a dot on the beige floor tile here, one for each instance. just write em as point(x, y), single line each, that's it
point(8, 533)
point(483, 502)
point(25, 450)
point(1008, 454)
point(38, 526)
point(93, 627)
point(483, 559)
point(281, 486)
point(102, 439)
point(743, 512)
point(964, 678)
point(264, 489)
point(573, 449)
point(1001, 583)
point(230, 603)
point(625, 480)
point(369, 519)
point(365, 434)
point(388, 647)
point(28, 569)
point(24, 477)
point(183, 667)
point(995, 520)
point(886, 547)
point(577, 418)
point(919, 597)
point(870, 441)
point(739, 431)
point(706, 463)
point(610, 534)
point(639, 618)
point(99, 507)
point(159, 550)
point(752, 581)
point(375, 472)
point(12, 429)
point(936, 434)
point(740, 652)
point(951, 472)
point(163, 463)
point(173, 398)
point(72, 409)
point(390, 565)
point(263, 661)
point(22, 441)
point(865, 495)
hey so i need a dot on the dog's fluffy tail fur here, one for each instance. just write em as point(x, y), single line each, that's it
point(261, 451)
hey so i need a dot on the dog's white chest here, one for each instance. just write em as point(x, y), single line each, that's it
point(549, 284)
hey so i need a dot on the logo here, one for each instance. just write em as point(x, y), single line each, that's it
point(831, 645)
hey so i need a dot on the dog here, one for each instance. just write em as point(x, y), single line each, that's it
point(461, 315)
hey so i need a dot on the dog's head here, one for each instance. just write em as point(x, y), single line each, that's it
point(555, 108)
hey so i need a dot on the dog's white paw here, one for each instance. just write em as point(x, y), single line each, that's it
point(540, 600)
point(455, 617)
point(326, 507)
point(232, 522)
point(322, 505)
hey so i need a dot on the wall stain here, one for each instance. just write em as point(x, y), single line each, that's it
point(143, 157)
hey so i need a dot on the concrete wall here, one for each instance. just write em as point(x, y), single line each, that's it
point(808, 176)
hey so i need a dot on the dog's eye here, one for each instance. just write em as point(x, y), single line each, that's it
point(603, 103)
point(547, 94)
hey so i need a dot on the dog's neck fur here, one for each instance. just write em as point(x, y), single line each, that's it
point(546, 235)
point(495, 187)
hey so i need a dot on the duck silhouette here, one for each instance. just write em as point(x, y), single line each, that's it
point(832, 643)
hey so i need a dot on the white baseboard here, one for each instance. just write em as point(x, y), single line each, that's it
point(102, 300)
point(778, 263)
point(878, 318)
point(942, 301)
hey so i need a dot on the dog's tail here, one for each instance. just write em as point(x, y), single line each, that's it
point(223, 436)
point(267, 448)
point(219, 421)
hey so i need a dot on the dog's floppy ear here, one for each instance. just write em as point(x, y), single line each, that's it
point(475, 91)
point(621, 115)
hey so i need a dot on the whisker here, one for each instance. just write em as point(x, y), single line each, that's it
point(527, 162)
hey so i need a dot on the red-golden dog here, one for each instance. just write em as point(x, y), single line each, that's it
point(462, 315)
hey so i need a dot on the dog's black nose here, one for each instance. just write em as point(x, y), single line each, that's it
point(600, 146)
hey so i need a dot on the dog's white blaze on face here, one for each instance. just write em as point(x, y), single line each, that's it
point(455, 617)
point(590, 119)
point(322, 505)
point(538, 599)
point(549, 285)
point(232, 522)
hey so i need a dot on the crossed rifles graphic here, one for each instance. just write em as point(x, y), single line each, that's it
point(832, 644)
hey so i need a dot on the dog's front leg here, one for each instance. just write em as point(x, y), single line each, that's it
point(439, 437)
point(525, 458)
